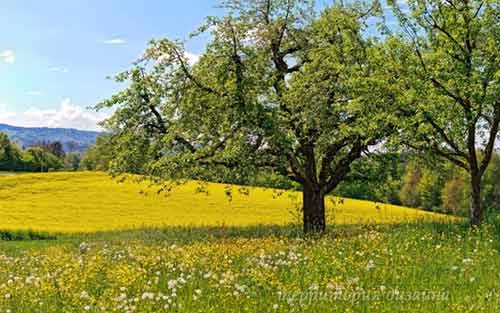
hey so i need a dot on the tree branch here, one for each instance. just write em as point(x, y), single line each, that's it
point(494, 128)
point(343, 167)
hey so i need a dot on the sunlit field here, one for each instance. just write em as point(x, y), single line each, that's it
point(109, 248)
point(89, 202)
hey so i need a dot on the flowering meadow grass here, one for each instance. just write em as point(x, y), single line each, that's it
point(374, 268)
point(415, 265)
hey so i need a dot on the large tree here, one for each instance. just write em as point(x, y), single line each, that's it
point(280, 86)
point(446, 56)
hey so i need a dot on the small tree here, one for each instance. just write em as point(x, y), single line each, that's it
point(429, 189)
point(411, 179)
point(491, 185)
point(10, 155)
point(55, 148)
point(453, 194)
point(39, 160)
point(279, 87)
point(72, 161)
point(446, 59)
point(98, 156)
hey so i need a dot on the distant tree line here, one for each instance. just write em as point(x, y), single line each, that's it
point(415, 181)
point(41, 157)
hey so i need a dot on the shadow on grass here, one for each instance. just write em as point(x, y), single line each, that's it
point(178, 234)
point(22, 235)
point(188, 234)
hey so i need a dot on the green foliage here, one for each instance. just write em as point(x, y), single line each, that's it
point(409, 195)
point(35, 159)
point(55, 148)
point(429, 189)
point(445, 57)
point(38, 160)
point(376, 178)
point(491, 185)
point(11, 158)
point(445, 188)
point(455, 196)
point(280, 88)
point(98, 156)
point(72, 161)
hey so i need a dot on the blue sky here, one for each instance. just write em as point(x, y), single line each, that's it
point(55, 55)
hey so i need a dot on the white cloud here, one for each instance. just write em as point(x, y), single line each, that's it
point(8, 56)
point(5, 113)
point(115, 41)
point(34, 93)
point(66, 115)
point(192, 58)
point(59, 69)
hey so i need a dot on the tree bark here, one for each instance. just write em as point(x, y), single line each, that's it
point(476, 210)
point(313, 209)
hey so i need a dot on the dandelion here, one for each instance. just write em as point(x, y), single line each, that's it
point(84, 295)
point(172, 283)
point(84, 247)
point(121, 297)
point(370, 265)
point(240, 288)
point(353, 281)
point(148, 296)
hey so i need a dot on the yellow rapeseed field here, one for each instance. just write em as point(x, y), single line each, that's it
point(89, 202)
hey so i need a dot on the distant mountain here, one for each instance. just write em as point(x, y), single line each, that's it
point(73, 140)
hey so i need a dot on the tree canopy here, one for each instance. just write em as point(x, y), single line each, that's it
point(279, 86)
point(446, 59)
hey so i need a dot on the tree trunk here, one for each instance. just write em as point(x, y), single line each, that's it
point(314, 210)
point(476, 210)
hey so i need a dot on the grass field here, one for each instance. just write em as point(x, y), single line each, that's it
point(120, 251)
point(90, 202)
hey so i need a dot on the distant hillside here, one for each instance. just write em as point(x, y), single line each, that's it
point(72, 139)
